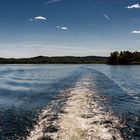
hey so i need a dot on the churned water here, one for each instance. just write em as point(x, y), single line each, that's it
point(69, 102)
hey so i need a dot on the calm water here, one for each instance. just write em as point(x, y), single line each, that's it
point(26, 89)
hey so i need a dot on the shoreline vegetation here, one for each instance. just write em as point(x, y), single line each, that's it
point(124, 58)
point(55, 60)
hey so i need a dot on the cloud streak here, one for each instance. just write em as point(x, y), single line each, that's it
point(109, 20)
point(52, 1)
point(38, 18)
point(106, 16)
point(136, 32)
point(62, 28)
point(135, 6)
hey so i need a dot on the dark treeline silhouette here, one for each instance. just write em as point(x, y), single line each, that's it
point(124, 57)
point(55, 60)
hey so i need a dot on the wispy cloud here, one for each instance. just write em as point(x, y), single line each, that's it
point(106, 16)
point(38, 18)
point(52, 1)
point(31, 49)
point(62, 28)
point(136, 32)
point(135, 6)
point(109, 19)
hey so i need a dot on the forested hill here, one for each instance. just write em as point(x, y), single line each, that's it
point(55, 60)
point(124, 57)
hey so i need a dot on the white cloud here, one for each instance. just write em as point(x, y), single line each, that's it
point(136, 32)
point(106, 16)
point(40, 18)
point(135, 6)
point(62, 28)
point(52, 1)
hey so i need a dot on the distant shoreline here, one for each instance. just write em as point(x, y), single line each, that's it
point(56, 60)
point(116, 58)
point(124, 58)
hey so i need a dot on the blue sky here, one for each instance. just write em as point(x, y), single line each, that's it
point(68, 27)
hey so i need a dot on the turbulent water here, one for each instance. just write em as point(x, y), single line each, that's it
point(69, 102)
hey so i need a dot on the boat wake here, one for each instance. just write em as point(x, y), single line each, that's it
point(77, 115)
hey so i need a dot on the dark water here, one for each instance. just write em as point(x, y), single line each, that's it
point(26, 89)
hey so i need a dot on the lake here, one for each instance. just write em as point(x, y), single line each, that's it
point(26, 91)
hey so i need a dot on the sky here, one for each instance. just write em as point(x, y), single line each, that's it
point(68, 27)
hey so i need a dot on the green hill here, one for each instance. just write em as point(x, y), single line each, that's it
point(55, 60)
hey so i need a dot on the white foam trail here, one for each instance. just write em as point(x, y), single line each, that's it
point(83, 118)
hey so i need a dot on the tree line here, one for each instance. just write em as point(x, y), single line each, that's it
point(124, 57)
point(55, 60)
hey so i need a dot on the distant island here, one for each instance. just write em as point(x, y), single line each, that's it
point(124, 58)
point(56, 60)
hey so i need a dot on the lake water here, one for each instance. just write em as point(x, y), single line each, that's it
point(25, 90)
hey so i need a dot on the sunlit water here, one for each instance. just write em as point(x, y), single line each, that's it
point(26, 91)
